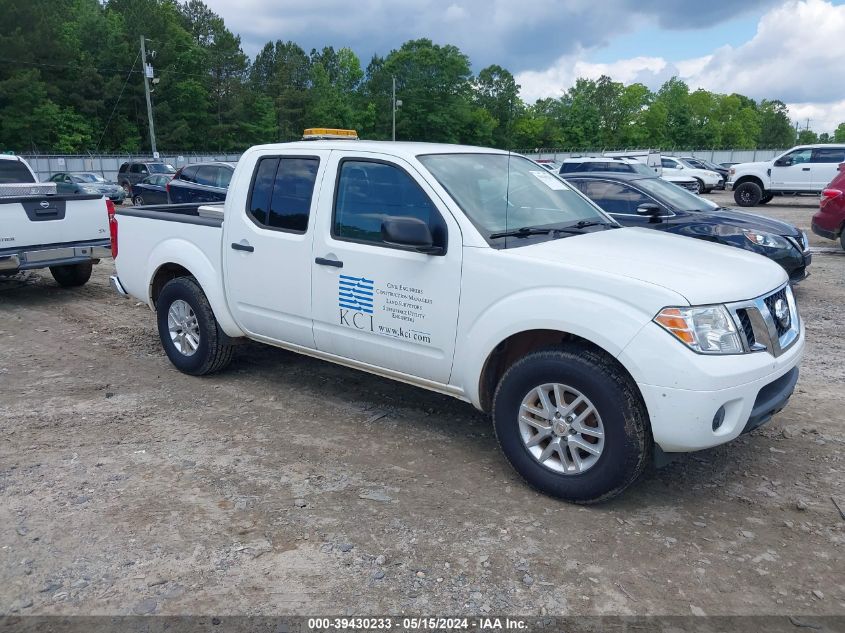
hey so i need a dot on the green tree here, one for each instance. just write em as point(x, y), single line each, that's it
point(497, 93)
point(839, 134)
point(776, 131)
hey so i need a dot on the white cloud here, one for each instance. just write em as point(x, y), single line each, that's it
point(797, 55)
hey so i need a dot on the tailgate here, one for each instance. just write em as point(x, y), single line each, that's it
point(38, 221)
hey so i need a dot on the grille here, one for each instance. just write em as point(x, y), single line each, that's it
point(747, 329)
point(771, 300)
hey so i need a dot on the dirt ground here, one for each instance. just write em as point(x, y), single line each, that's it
point(287, 485)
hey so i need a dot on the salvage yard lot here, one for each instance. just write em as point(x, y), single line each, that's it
point(288, 485)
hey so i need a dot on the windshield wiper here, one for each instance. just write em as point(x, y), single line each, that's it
point(527, 231)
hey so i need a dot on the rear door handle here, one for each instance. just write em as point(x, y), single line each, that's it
point(805, 169)
point(322, 261)
point(243, 247)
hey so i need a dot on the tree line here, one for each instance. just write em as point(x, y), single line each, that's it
point(71, 82)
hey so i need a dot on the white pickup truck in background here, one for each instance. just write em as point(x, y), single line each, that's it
point(478, 274)
point(40, 229)
point(806, 169)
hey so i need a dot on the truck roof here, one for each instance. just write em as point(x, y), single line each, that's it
point(396, 148)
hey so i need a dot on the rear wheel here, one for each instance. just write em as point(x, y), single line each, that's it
point(72, 275)
point(748, 194)
point(699, 186)
point(190, 335)
point(572, 423)
point(138, 201)
point(842, 239)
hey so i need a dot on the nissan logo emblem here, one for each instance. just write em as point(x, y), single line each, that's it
point(782, 312)
point(44, 204)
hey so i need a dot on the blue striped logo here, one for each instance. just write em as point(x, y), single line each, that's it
point(355, 293)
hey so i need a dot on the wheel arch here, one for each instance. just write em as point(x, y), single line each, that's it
point(750, 178)
point(173, 259)
point(519, 345)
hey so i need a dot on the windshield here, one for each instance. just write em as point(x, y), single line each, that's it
point(501, 192)
point(86, 177)
point(641, 168)
point(161, 168)
point(675, 195)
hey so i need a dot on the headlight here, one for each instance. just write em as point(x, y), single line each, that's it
point(706, 329)
point(766, 240)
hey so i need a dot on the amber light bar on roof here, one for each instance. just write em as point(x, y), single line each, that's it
point(316, 133)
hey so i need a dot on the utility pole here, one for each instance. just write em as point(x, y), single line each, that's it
point(147, 92)
point(394, 108)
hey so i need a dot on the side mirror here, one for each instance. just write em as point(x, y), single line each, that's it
point(650, 209)
point(410, 233)
point(783, 162)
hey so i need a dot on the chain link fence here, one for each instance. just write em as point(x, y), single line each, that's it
point(107, 165)
point(713, 155)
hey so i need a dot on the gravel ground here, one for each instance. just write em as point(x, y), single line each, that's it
point(287, 485)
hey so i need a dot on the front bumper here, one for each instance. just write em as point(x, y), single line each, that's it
point(684, 391)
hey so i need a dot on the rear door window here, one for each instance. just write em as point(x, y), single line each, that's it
point(189, 174)
point(207, 175)
point(613, 197)
point(281, 193)
point(828, 155)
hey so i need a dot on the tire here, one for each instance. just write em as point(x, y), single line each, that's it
point(127, 188)
point(72, 275)
point(138, 201)
point(842, 239)
point(767, 198)
point(625, 448)
point(748, 194)
point(699, 188)
point(210, 353)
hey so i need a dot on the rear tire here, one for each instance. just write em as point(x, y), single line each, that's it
point(624, 447)
point(842, 239)
point(138, 201)
point(748, 194)
point(72, 275)
point(189, 332)
point(699, 187)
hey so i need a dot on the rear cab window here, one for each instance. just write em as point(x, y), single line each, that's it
point(14, 171)
point(281, 192)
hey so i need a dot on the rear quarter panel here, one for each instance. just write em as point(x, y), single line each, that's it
point(145, 245)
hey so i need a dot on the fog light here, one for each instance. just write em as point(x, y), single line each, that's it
point(718, 418)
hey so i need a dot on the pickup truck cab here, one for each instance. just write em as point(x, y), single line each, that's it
point(41, 229)
point(805, 169)
point(478, 274)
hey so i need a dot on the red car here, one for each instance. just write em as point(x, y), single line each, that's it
point(829, 222)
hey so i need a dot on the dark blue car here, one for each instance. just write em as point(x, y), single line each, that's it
point(150, 190)
point(201, 182)
point(653, 203)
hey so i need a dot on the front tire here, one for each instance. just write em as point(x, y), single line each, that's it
point(138, 201)
point(72, 275)
point(189, 332)
point(572, 424)
point(699, 186)
point(748, 194)
point(767, 198)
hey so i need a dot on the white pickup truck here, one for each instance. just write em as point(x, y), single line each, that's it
point(39, 229)
point(806, 169)
point(478, 274)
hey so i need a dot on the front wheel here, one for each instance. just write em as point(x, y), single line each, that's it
point(748, 194)
point(190, 335)
point(767, 198)
point(699, 186)
point(72, 275)
point(138, 201)
point(572, 423)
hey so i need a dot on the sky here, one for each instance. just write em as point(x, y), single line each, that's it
point(793, 50)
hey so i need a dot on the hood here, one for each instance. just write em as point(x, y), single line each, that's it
point(760, 164)
point(745, 220)
point(702, 272)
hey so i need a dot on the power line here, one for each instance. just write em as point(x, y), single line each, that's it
point(114, 109)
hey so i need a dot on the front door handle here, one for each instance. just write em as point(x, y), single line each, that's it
point(322, 261)
point(243, 247)
point(805, 169)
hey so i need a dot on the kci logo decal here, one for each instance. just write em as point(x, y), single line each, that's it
point(355, 300)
